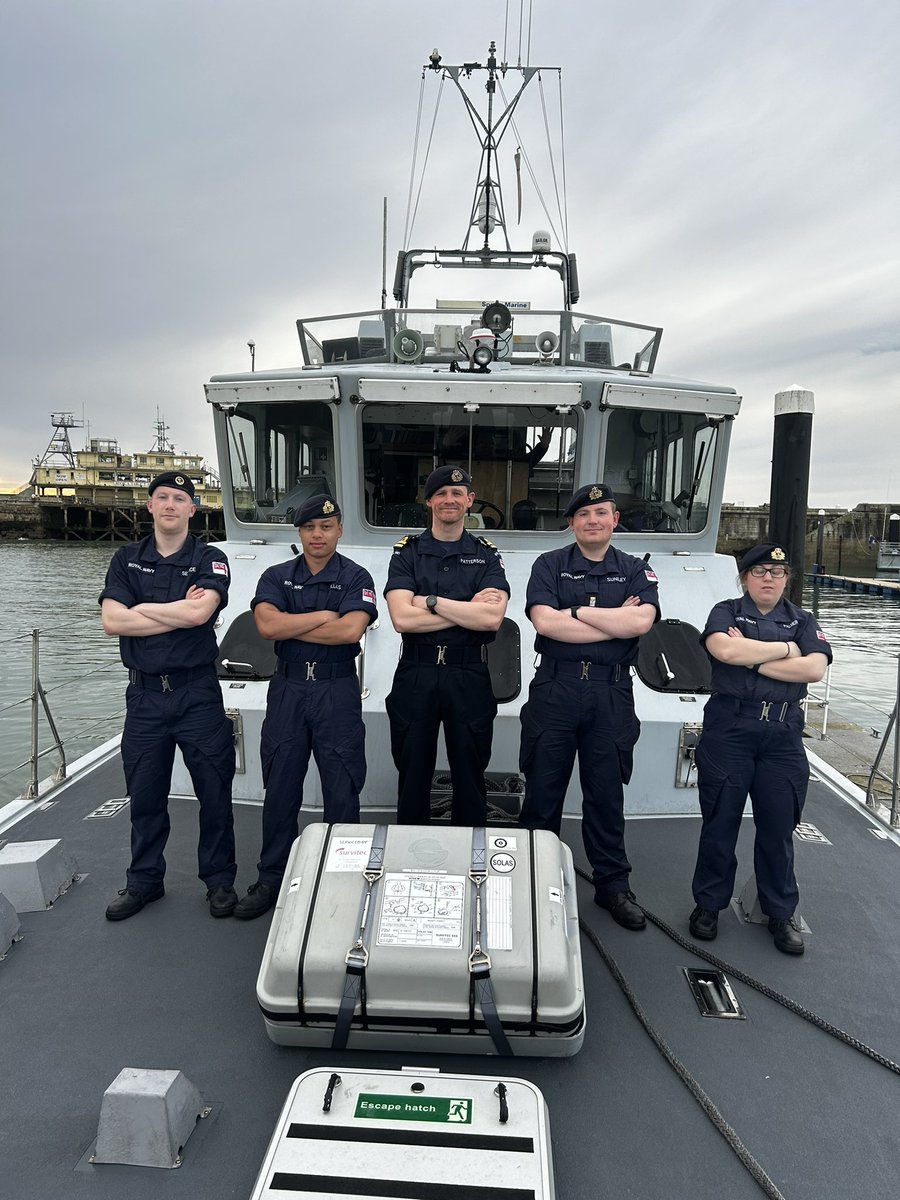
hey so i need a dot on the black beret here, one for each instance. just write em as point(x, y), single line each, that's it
point(768, 553)
point(594, 493)
point(317, 508)
point(172, 479)
point(448, 476)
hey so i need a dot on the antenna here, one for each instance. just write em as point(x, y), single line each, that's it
point(162, 445)
point(384, 259)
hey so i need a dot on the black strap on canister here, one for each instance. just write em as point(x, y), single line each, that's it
point(479, 960)
point(358, 954)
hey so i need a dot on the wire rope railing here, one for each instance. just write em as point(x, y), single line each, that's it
point(37, 701)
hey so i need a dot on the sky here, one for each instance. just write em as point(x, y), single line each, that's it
point(181, 177)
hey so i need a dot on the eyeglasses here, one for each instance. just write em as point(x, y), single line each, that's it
point(775, 572)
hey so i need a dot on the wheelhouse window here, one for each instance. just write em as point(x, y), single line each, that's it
point(660, 465)
point(522, 460)
point(281, 454)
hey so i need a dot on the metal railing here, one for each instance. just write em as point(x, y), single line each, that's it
point(38, 702)
point(877, 773)
point(814, 700)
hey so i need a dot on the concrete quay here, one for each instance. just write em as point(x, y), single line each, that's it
point(851, 750)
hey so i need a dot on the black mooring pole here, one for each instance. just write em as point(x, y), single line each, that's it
point(791, 446)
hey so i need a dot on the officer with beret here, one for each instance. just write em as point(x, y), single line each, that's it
point(315, 608)
point(764, 650)
point(589, 603)
point(161, 599)
point(447, 596)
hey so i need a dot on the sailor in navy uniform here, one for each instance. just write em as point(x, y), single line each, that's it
point(764, 651)
point(315, 608)
point(161, 599)
point(589, 603)
point(447, 596)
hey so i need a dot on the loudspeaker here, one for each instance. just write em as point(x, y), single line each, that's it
point(408, 345)
point(546, 343)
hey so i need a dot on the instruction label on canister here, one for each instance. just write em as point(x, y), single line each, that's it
point(422, 910)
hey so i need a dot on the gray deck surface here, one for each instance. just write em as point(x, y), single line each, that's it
point(82, 997)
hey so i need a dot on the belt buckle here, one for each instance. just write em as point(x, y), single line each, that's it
point(585, 671)
point(164, 680)
point(441, 660)
point(764, 711)
point(311, 672)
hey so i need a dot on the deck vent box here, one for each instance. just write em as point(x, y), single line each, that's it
point(414, 1132)
point(146, 1117)
point(9, 925)
point(407, 931)
point(35, 874)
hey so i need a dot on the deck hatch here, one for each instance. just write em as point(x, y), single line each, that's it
point(713, 993)
point(109, 809)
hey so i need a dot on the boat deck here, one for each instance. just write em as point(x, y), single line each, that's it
point(83, 997)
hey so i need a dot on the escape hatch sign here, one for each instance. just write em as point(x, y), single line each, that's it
point(445, 1109)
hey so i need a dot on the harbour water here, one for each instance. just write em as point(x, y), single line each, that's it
point(53, 586)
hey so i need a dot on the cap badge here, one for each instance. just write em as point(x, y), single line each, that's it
point(327, 507)
point(179, 479)
point(456, 475)
point(778, 555)
point(595, 493)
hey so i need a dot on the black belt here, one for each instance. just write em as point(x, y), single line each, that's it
point(430, 655)
point(588, 671)
point(314, 672)
point(765, 710)
point(171, 680)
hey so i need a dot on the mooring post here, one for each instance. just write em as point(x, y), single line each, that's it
point(819, 567)
point(791, 445)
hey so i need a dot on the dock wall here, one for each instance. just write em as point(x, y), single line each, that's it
point(848, 544)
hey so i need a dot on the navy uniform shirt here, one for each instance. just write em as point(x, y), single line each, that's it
point(785, 623)
point(342, 586)
point(455, 570)
point(138, 574)
point(563, 578)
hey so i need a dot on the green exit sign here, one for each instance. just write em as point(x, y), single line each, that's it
point(447, 1110)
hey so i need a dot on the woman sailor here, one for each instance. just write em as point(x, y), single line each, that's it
point(764, 651)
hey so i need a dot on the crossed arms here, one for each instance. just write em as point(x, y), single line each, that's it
point(772, 659)
point(148, 619)
point(483, 613)
point(322, 628)
point(631, 619)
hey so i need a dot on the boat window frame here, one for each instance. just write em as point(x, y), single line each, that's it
point(450, 394)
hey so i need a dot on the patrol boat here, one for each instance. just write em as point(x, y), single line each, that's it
point(699, 1076)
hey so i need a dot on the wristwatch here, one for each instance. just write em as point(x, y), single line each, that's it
point(574, 610)
point(431, 603)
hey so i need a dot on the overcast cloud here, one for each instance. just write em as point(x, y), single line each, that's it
point(180, 177)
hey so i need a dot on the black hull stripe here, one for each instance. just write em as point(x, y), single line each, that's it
point(399, 1189)
point(413, 1137)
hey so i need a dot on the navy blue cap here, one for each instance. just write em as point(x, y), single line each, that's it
point(448, 476)
point(767, 552)
point(594, 493)
point(317, 508)
point(172, 479)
